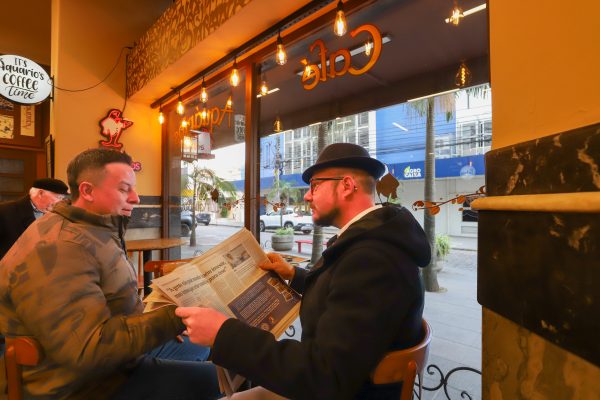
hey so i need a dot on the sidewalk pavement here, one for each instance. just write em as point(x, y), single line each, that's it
point(455, 319)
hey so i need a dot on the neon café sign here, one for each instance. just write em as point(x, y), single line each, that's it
point(328, 66)
point(23, 81)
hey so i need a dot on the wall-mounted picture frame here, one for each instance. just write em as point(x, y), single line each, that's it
point(49, 147)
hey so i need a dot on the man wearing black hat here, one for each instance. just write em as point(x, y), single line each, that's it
point(17, 215)
point(362, 299)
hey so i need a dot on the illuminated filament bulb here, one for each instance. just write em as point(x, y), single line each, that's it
point(203, 93)
point(161, 116)
point(184, 123)
point(368, 48)
point(204, 113)
point(463, 76)
point(340, 27)
point(277, 125)
point(229, 103)
point(264, 89)
point(180, 108)
point(307, 71)
point(234, 78)
point(280, 54)
point(457, 14)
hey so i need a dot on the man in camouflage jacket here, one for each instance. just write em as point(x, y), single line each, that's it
point(68, 283)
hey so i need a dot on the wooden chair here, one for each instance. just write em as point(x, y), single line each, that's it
point(140, 269)
point(163, 267)
point(404, 365)
point(20, 351)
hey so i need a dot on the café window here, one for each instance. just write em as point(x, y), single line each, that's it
point(207, 151)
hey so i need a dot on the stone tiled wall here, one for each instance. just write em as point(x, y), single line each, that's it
point(180, 28)
point(538, 273)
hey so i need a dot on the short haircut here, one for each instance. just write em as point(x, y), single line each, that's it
point(89, 160)
point(363, 178)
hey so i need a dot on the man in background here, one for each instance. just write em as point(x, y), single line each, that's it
point(69, 285)
point(17, 215)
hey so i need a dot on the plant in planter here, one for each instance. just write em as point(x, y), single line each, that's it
point(442, 246)
point(283, 239)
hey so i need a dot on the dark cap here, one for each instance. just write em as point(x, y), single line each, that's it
point(52, 185)
point(346, 155)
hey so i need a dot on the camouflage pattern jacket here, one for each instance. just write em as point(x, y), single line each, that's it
point(68, 283)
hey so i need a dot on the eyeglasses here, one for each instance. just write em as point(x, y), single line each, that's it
point(315, 182)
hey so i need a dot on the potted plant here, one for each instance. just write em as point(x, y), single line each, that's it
point(442, 246)
point(283, 239)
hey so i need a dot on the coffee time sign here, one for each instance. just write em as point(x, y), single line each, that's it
point(23, 81)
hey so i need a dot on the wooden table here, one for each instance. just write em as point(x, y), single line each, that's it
point(145, 247)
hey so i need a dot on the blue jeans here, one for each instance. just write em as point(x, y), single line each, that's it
point(186, 351)
point(173, 371)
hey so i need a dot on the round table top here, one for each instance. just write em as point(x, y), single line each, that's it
point(154, 244)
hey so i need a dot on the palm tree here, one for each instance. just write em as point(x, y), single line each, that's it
point(317, 241)
point(426, 108)
point(202, 184)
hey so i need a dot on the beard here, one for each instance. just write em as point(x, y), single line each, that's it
point(329, 218)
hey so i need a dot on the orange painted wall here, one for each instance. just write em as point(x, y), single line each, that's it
point(544, 67)
point(86, 41)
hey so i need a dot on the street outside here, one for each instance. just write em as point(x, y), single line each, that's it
point(453, 313)
point(211, 235)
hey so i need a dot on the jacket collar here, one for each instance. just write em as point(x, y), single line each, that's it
point(116, 223)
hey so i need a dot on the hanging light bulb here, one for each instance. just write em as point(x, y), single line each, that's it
point(161, 116)
point(234, 78)
point(204, 113)
point(184, 123)
point(203, 92)
point(457, 14)
point(307, 71)
point(368, 47)
point(277, 125)
point(264, 89)
point(280, 54)
point(180, 108)
point(229, 102)
point(340, 27)
point(463, 76)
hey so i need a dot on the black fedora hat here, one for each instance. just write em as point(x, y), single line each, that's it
point(347, 155)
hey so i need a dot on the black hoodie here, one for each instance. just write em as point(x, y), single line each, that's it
point(362, 299)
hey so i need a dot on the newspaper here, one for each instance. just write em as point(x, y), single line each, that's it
point(227, 278)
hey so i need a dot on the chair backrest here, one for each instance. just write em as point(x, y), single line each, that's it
point(20, 351)
point(404, 365)
point(163, 267)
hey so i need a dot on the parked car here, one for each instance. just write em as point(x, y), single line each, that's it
point(203, 218)
point(291, 219)
point(186, 221)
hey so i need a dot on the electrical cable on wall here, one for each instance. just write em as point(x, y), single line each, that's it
point(103, 80)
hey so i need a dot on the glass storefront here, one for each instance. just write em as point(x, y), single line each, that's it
point(358, 88)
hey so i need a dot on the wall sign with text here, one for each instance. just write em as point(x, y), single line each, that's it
point(328, 66)
point(23, 81)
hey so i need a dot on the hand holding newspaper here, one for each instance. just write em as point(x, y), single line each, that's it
point(227, 278)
